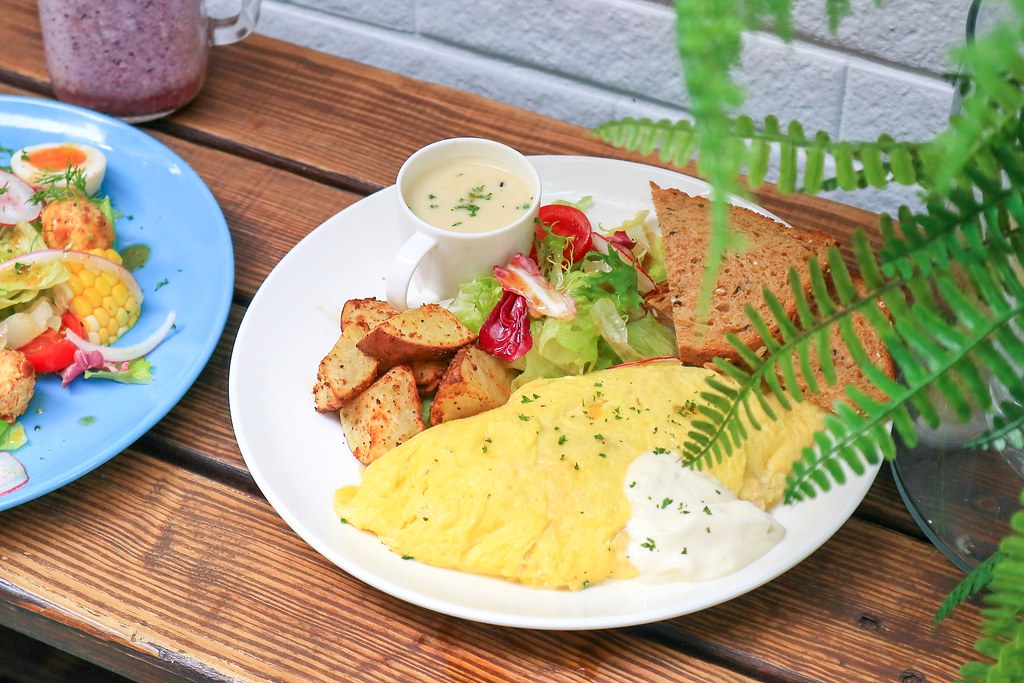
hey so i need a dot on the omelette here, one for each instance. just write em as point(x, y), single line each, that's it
point(535, 491)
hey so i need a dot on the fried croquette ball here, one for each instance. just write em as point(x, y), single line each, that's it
point(76, 224)
point(17, 384)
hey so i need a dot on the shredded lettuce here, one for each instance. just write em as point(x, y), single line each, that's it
point(21, 283)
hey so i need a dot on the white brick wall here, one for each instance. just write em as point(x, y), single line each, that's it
point(589, 61)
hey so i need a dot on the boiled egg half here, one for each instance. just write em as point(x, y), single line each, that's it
point(37, 163)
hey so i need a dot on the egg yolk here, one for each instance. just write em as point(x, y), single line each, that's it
point(57, 158)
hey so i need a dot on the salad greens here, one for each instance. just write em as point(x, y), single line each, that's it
point(611, 325)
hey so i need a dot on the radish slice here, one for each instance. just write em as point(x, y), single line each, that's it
point(12, 473)
point(645, 361)
point(91, 261)
point(523, 276)
point(123, 354)
point(16, 205)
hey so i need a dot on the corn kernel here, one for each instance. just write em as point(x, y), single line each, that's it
point(101, 316)
point(120, 294)
point(102, 285)
point(80, 307)
point(93, 297)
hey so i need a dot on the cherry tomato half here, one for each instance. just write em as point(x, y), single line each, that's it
point(566, 221)
point(51, 351)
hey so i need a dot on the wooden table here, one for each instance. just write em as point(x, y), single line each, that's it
point(167, 562)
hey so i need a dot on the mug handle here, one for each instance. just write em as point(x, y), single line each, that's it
point(227, 30)
point(396, 288)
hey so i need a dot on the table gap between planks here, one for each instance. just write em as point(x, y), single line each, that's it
point(167, 563)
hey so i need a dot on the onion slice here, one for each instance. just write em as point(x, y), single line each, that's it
point(91, 261)
point(12, 473)
point(123, 354)
point(16, 205)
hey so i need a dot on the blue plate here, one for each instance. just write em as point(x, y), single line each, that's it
point(167, 207)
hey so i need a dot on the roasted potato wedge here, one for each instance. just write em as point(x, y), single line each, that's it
point(428, 374)
point(429, 331)
point(369, 312)
point(383, 416)
point(344, 371)
point(475, 381)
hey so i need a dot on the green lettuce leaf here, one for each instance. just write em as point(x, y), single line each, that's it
point(12, 436)
point(475, 300)
point(139, 371)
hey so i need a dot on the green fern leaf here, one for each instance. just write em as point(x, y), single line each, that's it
point(971, 585)
point(1002, 640)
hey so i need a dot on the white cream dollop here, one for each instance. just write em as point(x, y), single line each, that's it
point(685, 526)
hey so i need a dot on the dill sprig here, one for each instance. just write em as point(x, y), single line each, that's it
point(68, 184)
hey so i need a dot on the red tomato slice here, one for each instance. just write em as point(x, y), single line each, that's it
point(566, 221)
point(51, 351)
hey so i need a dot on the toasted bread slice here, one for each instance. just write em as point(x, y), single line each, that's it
point(772, 250)
point(383, 416)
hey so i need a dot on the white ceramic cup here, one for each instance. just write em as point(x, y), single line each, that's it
point(434, 261)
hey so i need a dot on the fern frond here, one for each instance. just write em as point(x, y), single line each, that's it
point(877, 163)
point(1002, 639)
point(990, 111)
point(971, 585)
point(942, 348)
point(951, 231)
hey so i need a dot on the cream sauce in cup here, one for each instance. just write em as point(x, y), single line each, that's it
point(469, 194)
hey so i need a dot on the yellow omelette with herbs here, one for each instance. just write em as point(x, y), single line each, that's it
point(534, 491)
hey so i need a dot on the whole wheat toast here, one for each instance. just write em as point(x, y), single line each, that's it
point(772, 249)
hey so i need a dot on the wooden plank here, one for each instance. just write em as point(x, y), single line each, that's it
point(860, 609)
point(205, 581)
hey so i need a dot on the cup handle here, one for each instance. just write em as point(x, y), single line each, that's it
point(396, 288)
point(227, 30)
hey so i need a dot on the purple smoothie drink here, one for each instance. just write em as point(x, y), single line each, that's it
point(134, 59)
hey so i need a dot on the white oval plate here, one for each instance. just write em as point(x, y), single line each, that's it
point(298, 457)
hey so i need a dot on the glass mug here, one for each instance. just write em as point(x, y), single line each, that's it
point(137, 60)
